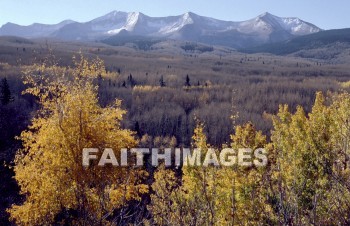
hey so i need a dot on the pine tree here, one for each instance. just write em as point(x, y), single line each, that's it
point(161, 81)
point(131, 81)
point(187, 83)
point(5, 92)
point(137, 129)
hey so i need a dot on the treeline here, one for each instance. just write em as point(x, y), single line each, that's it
point(306, 181)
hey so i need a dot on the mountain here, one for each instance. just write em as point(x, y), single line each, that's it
point(265, 28)
point(322, 39)
point(35, 30)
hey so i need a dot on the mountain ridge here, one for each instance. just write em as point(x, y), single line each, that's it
point(265, 28)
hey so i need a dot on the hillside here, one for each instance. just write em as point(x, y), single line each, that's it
point(322, 39)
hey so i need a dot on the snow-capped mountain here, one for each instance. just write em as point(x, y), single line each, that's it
point(267, 23)
point(265, 28)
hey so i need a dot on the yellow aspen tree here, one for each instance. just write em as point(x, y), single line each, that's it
point(191, 201)
point(308, 152)
point(49, 167)
point(249, 184)
point(200, 185)
point(168, 205)
point(335, 207)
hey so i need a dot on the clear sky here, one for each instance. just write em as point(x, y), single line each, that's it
point(327, 14)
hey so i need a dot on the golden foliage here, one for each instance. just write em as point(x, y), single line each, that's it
point(49, 167)
point(311, 153)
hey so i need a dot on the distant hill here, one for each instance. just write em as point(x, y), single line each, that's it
point(35, 30)
point(321, 39)
point(140, 42)
point(14, 40)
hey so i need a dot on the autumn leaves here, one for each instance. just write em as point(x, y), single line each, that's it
point(305, 180)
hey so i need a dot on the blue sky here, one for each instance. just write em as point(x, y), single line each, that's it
point(326, 14)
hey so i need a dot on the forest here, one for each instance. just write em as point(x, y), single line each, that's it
point(53, 105)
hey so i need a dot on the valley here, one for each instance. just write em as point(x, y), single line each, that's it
point(152, 82)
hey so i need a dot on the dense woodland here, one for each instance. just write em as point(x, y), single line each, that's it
point(217, 101)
